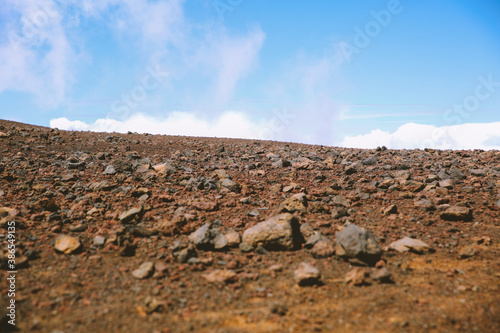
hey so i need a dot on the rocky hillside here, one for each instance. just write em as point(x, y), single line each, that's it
point(154, 233)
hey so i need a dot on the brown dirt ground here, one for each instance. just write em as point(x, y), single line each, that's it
point(93, 290)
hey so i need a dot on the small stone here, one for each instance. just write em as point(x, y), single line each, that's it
point(350, 170)
point(323, 249)
point(110, 170)
point(467, 252)
point(358, 276)
point(296, 203)
point(230, 185)
point(232, 238)
point(409, 244)
point(392, 209)
point(131, 215)
point(307, 275)
point(245, 247)
point(99, 240)
point(338, 212)
point(281, 232)
point(183, 251)
point(457, 213)
point(447, 183)
point(67, 244)
point(144, 271)
point(209, 237)
point(220, 276)
point(359, 243)
point(425, 204)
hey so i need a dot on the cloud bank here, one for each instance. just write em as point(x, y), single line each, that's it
point(411, 135)
point(229, 124)
point(235, 124)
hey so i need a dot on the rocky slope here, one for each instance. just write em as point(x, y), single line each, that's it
point(151, 233)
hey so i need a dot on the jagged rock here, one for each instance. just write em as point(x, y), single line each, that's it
point(183, 251)
point(281, 232)
point(209, 237)
point(359, 243)
point(296, 203)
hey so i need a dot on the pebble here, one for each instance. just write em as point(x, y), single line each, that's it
point(281, 232)
point(307, 275)
point(144, 271)
point(67, 244)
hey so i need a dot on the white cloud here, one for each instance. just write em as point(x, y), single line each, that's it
point(36, 57)
point(411, 135)
point(229, 124)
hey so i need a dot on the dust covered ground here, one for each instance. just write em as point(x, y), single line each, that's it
point(154, 233)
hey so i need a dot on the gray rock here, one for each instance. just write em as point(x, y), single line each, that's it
point(281, 232)
point(359, 243)
point(183, 251)
point(209, 237)
point(478, 172)
point(122, 166)
point(306, 275)
point(372, 160)
point(144, 271)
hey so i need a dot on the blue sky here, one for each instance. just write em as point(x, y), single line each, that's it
point(405, 74)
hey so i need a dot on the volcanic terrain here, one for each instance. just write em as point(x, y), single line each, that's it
point(154, 233)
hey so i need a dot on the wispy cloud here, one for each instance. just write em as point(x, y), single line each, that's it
point(36, 57)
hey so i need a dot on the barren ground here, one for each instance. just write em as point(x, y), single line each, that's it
point(52, 185)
